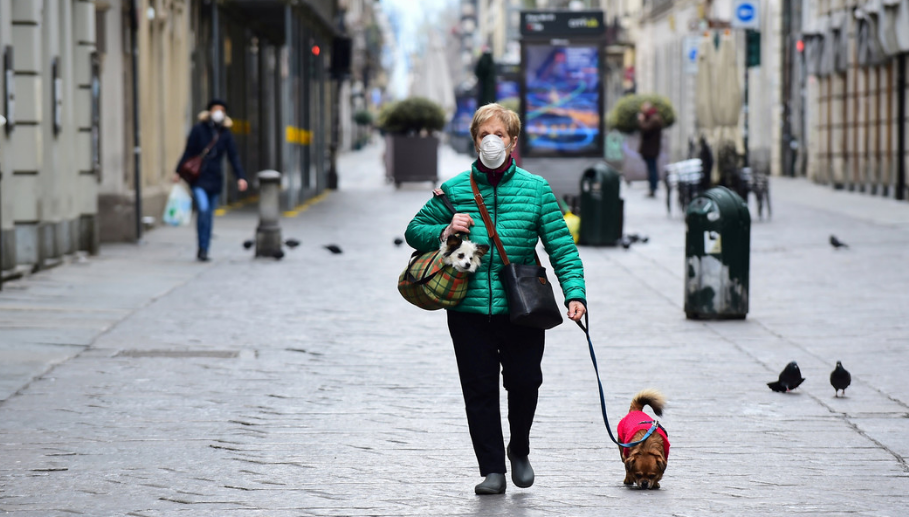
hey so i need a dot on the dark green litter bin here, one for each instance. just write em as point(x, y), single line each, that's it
point(602, 210)
point(717, 250)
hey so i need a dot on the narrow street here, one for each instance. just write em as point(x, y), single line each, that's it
point(141, 382)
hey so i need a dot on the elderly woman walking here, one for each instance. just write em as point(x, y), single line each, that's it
point(524, 210)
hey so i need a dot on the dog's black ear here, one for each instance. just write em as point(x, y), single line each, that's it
point(482, 249)
point(453, 243)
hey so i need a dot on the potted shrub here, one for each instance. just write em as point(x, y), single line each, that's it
point(622, 121)
point(411, 141)
point(364, 120)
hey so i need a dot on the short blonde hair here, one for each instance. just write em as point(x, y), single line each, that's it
point(506, 116)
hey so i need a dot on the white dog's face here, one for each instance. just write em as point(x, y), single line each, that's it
point(462, 254)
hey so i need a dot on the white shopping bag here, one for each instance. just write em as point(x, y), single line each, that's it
point(179, 208)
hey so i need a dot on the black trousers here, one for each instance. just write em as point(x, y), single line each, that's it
point(482, 346)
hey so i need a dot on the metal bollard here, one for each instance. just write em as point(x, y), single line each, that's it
point(268, 233)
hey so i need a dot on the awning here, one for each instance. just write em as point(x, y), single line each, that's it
point(840, 25)
point(266, 18)
point(895, 13)
point(870, 52)
point(813, 36)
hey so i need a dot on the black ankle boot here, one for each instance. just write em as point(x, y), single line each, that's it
point(521, 471)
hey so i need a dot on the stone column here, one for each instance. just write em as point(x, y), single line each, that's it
point(7, 234)
point(22, 179)
point(83, 218)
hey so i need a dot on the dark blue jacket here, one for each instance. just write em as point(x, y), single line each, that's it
point(211, 178)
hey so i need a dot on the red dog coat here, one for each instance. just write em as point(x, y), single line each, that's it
point(632, 424)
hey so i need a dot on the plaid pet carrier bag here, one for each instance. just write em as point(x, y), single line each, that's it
point(427, 282)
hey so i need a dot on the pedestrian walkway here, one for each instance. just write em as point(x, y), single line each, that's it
point(148, 384)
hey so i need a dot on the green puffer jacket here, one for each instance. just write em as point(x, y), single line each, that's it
point(524, 209)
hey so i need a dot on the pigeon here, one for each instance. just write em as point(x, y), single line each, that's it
point(399, 241)
point(626, 242)
point(840, 379)
point(291, 243)
point(278, 255)
point(333, 248)
point(248, 244)
point(790, 379)
point(836, 243)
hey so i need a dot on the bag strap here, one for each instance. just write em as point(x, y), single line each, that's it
point(443, 197)
point(490, 226)
point(211, 145)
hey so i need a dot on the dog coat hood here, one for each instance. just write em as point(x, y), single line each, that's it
point(632, 424)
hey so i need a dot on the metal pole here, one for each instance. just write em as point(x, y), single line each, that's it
point(333, 147)
point(901, 129)
point(745, 121)
point(215, 51)
point(137, 148)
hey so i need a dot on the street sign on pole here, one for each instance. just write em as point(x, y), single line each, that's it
point(690, 57)
point(746, 14)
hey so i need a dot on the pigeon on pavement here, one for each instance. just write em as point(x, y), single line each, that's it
point(248, 244)
point(333, 248)
point(399, 241)
point(840, 379)
point(836, 243)
point(292, 243)
point(790, 379)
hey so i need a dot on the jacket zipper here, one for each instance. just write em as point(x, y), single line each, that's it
point(495, 203)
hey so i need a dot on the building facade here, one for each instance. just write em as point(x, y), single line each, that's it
point(853, 63)
point(48, 194)
point(100, 93)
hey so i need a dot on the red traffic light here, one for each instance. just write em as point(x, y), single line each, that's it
point(800, 45)
point(316, 50)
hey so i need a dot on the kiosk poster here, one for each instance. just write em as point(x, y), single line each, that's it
point(507, 89)
point(460, 122)
point(563, 100)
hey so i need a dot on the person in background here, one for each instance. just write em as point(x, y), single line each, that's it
point(205, 190)
point(651, 126)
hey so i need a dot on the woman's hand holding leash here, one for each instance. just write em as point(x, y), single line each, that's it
point(576, 310)
point(460, 223)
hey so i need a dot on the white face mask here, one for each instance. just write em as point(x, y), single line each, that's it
point(217, 116)
point(492, 151)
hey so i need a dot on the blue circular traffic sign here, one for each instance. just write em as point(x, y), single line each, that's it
point(745, 12)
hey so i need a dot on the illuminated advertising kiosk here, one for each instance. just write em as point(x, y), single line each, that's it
point(561, 83)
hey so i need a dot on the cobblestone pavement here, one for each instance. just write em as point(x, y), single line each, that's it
point(308, 387)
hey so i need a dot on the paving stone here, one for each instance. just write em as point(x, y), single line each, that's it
point(308, 387)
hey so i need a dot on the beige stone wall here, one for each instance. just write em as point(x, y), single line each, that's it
point(164, 96)
point(49, 185)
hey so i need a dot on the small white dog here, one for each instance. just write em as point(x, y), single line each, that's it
point(462, 254)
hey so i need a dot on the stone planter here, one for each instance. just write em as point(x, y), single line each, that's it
point(411, 158)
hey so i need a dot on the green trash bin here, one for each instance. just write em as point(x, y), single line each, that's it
point(601, 207)
point(717, 250)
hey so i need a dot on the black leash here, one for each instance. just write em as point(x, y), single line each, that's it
point(654, 425)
